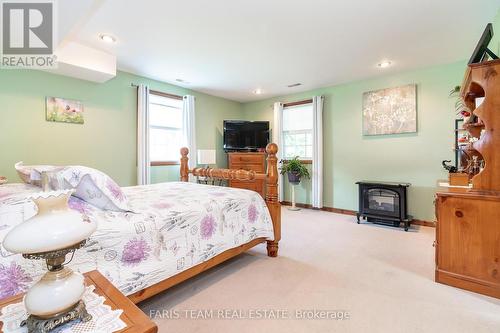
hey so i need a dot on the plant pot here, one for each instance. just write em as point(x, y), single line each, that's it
point(293, 178)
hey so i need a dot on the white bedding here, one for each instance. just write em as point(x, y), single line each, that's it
point(173, 227)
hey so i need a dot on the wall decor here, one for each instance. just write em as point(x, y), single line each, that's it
point(63, 110)
point(390, 111)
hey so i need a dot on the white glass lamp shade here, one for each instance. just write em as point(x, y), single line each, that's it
point(54, 227)
point(206, 156)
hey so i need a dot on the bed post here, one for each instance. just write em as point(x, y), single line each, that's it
point(272, 198)
point(184, 164)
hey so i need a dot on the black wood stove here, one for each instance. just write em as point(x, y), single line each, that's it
point(384, 203)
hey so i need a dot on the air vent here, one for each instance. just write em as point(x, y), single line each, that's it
point(294, 85)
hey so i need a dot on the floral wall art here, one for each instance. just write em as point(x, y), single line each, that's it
point(390, 111)
point(63, 110)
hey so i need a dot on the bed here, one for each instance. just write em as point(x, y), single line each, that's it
point(173, 231)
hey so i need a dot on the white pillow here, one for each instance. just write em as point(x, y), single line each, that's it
point(32, 174)
point(92, 186)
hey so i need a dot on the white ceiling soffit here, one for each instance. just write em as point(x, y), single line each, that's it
point(86, 63)
point(74, 59)
point(231, 48)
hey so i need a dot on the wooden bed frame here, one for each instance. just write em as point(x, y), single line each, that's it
point(271, 180)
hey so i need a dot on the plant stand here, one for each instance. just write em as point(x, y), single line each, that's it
point(293, 207)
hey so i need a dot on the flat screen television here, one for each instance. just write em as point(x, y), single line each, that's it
point(241, 135)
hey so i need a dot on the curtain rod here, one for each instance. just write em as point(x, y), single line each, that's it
point(161, 93)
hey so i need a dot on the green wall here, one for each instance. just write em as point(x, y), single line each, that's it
point(107, 140)
point(349, 156)
point(495, 42)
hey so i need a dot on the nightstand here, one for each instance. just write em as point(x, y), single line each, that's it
point(136, 320)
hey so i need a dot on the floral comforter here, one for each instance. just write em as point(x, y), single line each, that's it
point(173, 227)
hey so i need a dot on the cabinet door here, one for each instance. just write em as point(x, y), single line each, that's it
point(469, 238)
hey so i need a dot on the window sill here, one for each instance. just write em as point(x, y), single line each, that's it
point(301, 161)
point(163, 163)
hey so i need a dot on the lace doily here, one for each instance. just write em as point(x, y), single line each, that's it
point(104, 319)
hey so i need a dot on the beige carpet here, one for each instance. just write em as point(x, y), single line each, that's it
point(382, 276)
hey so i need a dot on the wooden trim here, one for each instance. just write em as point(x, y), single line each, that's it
point(163, 163)
point(164, 94)
point(468, 283)
point(189, 273)
point(353, 213)
point(424, 223)
point(306, 101)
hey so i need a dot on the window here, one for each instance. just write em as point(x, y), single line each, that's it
point(165, 128)
point(297, 131)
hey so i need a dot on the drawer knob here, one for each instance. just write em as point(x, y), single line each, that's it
point(459, 213)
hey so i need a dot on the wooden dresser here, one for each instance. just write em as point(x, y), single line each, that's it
point(248, 161)
point(468, 220)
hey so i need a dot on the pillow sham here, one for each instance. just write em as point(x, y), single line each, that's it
point(90, 185)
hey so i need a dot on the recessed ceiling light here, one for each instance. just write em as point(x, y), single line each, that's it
point(257, 91)
point(107, 38)
point(294, 85)
point(384, 64)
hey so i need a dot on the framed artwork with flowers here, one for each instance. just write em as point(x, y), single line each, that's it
point(63, 110)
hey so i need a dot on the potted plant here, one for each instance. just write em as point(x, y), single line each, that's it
point(294, 169)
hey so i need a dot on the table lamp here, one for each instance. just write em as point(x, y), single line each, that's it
point(206, 157)
point(53, 232)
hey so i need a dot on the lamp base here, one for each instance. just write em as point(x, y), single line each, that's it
point(37, 324)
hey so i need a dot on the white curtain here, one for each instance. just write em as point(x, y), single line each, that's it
point(278, 139)
point(189, 126)
point(317, 164)
point(143, 161)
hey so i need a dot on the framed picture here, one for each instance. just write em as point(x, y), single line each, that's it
point(390, 111)
point(63, 110)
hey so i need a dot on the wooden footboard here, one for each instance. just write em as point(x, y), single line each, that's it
point(270, 177)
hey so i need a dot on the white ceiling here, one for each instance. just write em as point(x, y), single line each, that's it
point(229, 48)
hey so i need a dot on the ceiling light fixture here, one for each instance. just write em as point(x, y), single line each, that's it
point(384, 64)
point(107, 38)
point(294, 85)
point(257, 91)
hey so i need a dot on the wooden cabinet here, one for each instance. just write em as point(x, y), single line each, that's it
point(468, 227)
point(248, 161)
point(468, 240)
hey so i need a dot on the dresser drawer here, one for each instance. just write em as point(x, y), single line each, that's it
point(259, 168)
point(246, 159)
